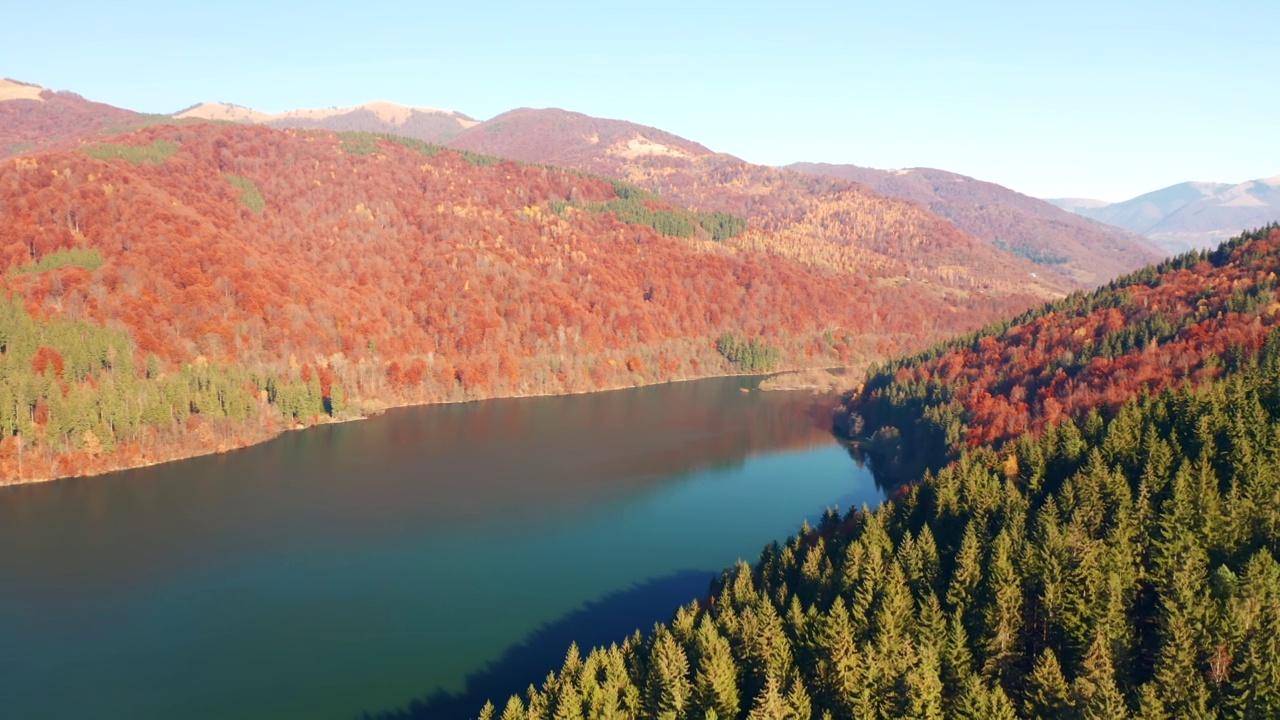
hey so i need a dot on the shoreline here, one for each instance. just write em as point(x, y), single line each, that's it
point(816, 380)
point(383, 408)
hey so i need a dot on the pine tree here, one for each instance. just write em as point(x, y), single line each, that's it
point(1004, 619)
point(770, 704)
point(539, 707)
point(514, 709)
point(976, 701)
point(1048, 695)
point(1095, 691)
point(766, 651)
point(716, 681)
point(962, 593)
point(957, 659)
point(565, 699)
point(924, 697)
point(667, 689)
point(1180, 684)
point(840, 667)
point(799, 705)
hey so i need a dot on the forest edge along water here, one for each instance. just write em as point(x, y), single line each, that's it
point(436, 553)
point(829, 381)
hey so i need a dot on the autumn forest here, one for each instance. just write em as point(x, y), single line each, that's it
point(1108, 555)
point(192, 288)
point(1076, 439)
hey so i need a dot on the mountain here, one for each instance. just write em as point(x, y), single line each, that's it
point(1078, 252)
point(194, 287)
point(1087, 252)
point(379, 116)
point(1181, 324)
point(570, 139)
point(824, 222)
point(691, 175)
point(33, 118)
point(1073, 204)
point(1191, 214)
point(1098, 538)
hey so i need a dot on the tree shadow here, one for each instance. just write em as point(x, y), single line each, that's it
point(598, 623)
point(887, 481)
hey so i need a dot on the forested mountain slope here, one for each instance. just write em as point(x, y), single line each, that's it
point(1186, 320)
point(1118, 562)
point(571, 139)
point(188, 288)
point(33, 118)
point(1059, 241)
point(821, 221)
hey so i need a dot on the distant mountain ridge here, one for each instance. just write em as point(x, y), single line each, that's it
point(1082, 252)
point(1080, 249)
point(1190, 214)
point(573, 139)
point(33, 118)
point(823, 222)
point(422, 123)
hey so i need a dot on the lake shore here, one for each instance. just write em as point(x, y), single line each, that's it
point(786, 380)
point(817, 380)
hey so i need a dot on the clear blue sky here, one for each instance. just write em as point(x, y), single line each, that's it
point(1093, 99)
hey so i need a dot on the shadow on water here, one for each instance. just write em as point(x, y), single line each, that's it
point(607, 620)
point(888, 483)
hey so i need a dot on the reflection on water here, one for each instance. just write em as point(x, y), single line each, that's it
point(353, 567)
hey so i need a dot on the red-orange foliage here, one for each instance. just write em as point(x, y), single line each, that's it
point(1096, 352)
point(407, 278)
point(45, 358)
point(1083, 251)
point(57, 119)
point(820, 221)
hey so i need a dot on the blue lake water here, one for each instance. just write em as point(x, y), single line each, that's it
point(401, 566)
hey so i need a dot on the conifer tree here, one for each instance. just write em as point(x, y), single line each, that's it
point(799, 706)
point(514, 709)
point(1048, 695)
point(1095, 691)
point(1004, 631)
point(668, 690)
point(715, 682)
point(1136, 576)
point(770, 704)
point(924, 697)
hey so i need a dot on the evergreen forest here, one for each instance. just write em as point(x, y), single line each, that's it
point(1116, 559)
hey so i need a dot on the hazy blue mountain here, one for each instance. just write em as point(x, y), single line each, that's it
point(1190, 214)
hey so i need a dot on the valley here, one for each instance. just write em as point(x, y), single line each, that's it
point(175, 291)
point(646, 429)
point(1109, 555)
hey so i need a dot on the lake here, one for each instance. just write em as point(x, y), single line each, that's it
point(402, 566)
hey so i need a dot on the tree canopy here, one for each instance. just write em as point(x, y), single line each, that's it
point(1117, 560)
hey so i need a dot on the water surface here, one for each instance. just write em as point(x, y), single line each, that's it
point(423, 556)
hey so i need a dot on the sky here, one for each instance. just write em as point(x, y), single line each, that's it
point(1105, 100)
